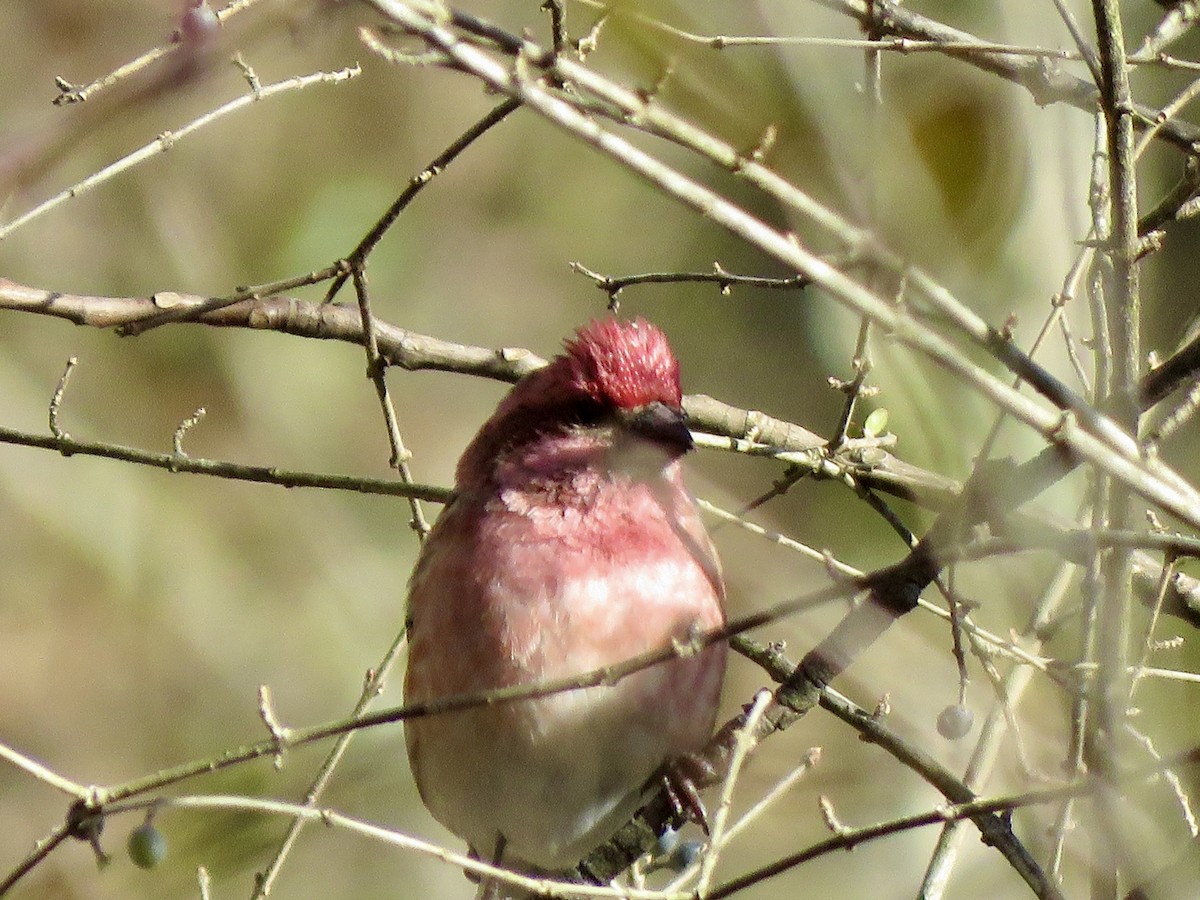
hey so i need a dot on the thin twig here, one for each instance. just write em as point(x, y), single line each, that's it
point(612, 285)
point(70, 93)
point(358, 256)
point(985, 754)
point(169, 138)
point(372, 687)
point(742, 747)
point(57, 399)
point(43, 773)
point(334, 819)
point(217, 468)
point(851, 838)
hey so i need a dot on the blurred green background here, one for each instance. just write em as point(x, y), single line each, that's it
point(139, 611)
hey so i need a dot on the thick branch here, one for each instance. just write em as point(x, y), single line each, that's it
point(412, 351)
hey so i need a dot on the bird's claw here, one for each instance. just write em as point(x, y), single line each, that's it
point(680, 778)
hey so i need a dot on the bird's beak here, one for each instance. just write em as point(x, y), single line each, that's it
point(660, 423)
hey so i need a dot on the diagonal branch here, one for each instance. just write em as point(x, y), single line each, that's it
point(1093, 438)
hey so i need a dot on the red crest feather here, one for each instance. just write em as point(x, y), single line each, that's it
point(624, 364)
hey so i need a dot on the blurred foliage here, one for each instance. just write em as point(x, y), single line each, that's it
point(139, 611)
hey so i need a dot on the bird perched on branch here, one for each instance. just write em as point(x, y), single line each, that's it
point(570, 545)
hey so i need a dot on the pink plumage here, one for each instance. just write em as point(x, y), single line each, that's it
point(571, 544)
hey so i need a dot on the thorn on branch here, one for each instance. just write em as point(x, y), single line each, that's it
point(184, 427)
point(1149, 243)
point(883, 708)
point(853, 386)
point(725, 283)
point(1009, 326)
point(250, 75)
point(759, 151)
point(587, 44)
point(279, 734)
point(830, 816)
point(603, 282)
point(56, 403)
point(68, 92)
point(647, 95)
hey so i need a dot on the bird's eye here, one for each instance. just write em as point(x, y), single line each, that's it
point(587, 412)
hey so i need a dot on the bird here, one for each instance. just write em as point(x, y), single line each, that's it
point(570, 544)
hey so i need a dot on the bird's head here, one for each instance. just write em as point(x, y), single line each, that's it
point(614, 374)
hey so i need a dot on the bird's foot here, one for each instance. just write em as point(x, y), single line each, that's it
point(680, 779)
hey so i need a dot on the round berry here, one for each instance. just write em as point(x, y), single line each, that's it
point(955, 722)
point(146, 846)
point(685, 854)
point(666, 844)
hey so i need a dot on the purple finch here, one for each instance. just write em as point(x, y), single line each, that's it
point(571, 544)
